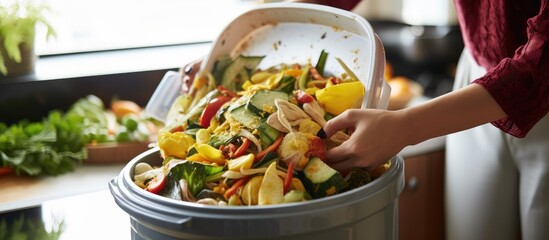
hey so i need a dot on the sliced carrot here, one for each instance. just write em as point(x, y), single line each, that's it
point(242, 149)
point(289, 176)
point(271, 148)
point(232, 190)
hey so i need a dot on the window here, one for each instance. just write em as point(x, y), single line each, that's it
point(83, 25)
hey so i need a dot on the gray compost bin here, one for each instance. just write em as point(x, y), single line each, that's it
point(368, 212)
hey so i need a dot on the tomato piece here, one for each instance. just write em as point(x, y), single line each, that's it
point(303, 97)
point(157, 183)
point(226, 92)
point(232, 190)
point(211, 109)
point(317, 148)
point(289, 176)
point(271, 148)
point(242, 149)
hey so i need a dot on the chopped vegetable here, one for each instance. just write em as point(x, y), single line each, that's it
point(340, 97)
point(242, 162)
point(321, 180)
point(157, 183)
point(250, 192)
point(242, 149)
point(271, 148)
point(289, 177)
point(272, 187)
point(236, 71)
point(235, 187)
point(174, 144)
point(194, 173)
point(303, 97)
point(211, 109)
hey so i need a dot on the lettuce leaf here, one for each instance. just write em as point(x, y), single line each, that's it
point(51, 147)
point(194, 173)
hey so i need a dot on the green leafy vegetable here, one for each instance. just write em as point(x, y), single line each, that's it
point(57, 143)
point(321, 63)
point(50, 147)
point(287, 84)
point(194, 173)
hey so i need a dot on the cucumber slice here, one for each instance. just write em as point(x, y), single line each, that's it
point(267, 134)
point(317, 171)
point(245, 117)
point(266, 160)
point(234, 69)
point(219, 67)
point(263, 100)
point(321, 180)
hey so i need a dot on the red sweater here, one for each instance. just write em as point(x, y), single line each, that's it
point(510, 39)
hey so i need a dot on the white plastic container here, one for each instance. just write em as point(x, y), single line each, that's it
point(296, 33)
point(368, 212)
point(284, 33)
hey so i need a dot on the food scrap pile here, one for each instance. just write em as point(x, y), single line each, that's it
point(246, 136)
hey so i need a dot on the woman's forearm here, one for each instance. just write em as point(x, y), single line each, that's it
point(453, 112)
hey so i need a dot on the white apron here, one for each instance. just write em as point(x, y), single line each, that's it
point(497, 186)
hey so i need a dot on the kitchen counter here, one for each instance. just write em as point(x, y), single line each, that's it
point(19, 192)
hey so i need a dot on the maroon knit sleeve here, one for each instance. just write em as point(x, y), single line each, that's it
point(343, 4)
point(520, 84)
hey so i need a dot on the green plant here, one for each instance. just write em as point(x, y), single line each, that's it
point(24, 227)
point(18, 21)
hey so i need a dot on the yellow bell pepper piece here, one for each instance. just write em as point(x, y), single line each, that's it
point(174, 144)
point(312, 90)
point(198, 158)
point(202, 136)
point(260, 77)
point(244, 161)
point(340, 97)
point(211, 153)
point(247, 85)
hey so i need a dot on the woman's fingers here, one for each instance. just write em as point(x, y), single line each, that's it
point(187, 74)
point(339, 153)
point(340, 122)
point(344, 165)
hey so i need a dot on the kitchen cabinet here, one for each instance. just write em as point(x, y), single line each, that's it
point(421, 203)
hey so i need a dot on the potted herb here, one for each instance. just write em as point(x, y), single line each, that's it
point(18, 22)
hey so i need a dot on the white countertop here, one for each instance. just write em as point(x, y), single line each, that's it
point(18, 192)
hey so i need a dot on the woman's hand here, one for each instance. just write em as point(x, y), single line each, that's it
point(377, 136)
point(188, 73)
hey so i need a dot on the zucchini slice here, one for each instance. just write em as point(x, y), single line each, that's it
point(263, 102)
point(245, 117)
point(235, 68)
point(321, 180)
point(267, 134)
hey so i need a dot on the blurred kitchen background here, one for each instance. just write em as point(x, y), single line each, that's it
point(105, 38)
